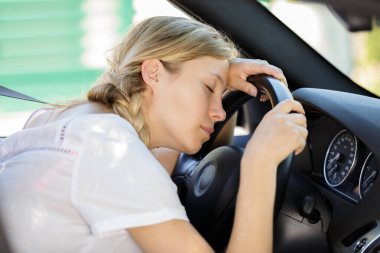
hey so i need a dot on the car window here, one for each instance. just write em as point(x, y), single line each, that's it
point(356, 54)
point(54, 50)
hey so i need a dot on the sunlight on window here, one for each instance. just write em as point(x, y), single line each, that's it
point(150, 8)
point(100, 25)
point(356, 54)
point(317, 26)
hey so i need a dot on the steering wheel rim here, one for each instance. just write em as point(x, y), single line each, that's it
point(208, 181)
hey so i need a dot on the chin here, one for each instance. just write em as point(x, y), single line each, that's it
point(192, 149)
point(189, 146)
point(192, 152)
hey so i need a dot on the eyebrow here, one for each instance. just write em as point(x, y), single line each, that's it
point(220, 80)
point(218, 76)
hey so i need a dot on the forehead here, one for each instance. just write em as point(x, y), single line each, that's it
point(208, 66)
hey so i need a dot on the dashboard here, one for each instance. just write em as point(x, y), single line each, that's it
point(341, 165)
point(332, 198)
point(343, 141)
point(342, 162)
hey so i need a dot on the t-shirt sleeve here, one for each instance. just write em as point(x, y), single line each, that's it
point(117, 183)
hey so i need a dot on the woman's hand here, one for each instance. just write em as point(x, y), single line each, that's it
point(241, 68)
point(281, 131)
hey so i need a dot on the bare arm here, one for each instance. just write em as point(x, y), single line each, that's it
point(275, 138)
point(253, 223)
point(170, 237)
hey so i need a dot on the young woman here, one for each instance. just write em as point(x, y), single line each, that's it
point(82, 178)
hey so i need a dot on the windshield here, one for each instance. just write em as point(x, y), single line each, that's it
point(356, 54)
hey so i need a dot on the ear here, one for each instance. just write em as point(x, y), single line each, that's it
point(150, 70)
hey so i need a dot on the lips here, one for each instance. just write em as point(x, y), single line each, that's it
point(208, 130)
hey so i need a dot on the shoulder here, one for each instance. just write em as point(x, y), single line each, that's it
point(107, 123)
point(96, 130)
point(38, 117)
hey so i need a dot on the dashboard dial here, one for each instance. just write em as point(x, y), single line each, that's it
point(368, 175)
point(340, 158)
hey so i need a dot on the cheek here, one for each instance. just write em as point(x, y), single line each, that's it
point(177, 109)
point(191, 98)
point(185, 103)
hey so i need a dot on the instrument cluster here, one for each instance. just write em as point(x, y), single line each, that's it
point(349, 167)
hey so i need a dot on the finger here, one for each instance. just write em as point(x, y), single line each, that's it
point(301, 146)
point(264, 98)
point(301, 140)
point(273, 71)
point(280, 76)
point(261, 66)
point(240, 84)
point(301, 143)
point(302, 131)
point(288, 106)
point(298, 119)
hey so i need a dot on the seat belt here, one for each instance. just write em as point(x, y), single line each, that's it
point(6, 92)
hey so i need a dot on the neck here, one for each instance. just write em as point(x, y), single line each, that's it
point(168, 158)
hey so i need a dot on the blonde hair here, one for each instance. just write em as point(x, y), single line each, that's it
point(172, 40)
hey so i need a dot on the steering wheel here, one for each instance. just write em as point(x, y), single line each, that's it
point(208, 182)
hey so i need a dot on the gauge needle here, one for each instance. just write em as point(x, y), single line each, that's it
point(336, 157)
point(370, 177)
point(333, 169)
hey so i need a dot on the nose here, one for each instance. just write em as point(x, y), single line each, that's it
point(217, 113)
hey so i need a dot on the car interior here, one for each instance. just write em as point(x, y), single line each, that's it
point(327, 196)
point(331, 201)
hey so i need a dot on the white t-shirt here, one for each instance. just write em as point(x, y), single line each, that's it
point(77, 184)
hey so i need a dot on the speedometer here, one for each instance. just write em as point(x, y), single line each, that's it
point(368, 174)
point(340, 158)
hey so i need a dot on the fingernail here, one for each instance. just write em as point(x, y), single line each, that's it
point(253, 91)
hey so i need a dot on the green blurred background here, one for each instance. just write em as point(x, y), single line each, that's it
point(42, 44)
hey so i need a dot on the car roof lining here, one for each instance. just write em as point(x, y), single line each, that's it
point(252, 30)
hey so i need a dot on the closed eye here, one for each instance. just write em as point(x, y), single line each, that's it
point(209, 88)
